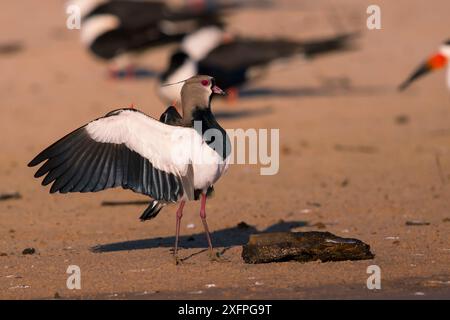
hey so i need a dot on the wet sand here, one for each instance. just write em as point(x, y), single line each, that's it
point(356, 156)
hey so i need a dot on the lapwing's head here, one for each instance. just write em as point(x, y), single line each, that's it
point(197, 93)
point(435, 62)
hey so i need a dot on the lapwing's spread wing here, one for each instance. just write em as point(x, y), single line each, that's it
point(127, 149)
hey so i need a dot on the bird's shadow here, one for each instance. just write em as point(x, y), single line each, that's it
point(329, 87)
point(235, 114)
point(327, 90)
point(137, 74)
point(229, 237)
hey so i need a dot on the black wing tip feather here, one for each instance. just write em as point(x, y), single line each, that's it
point(32, 163)
point(37, 159)
point(56, 147)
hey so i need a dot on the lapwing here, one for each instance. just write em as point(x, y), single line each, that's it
point(170, 163)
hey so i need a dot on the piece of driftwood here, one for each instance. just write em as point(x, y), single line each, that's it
point(417, 223)
point(303, 247)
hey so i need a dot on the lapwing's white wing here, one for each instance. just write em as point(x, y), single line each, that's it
point(124, 148)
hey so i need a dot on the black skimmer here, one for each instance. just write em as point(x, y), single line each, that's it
point(118, 31)
point(234, 61)
point(171, 163)
point(435, 62)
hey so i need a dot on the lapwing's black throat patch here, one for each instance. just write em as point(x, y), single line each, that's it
point(208, 121)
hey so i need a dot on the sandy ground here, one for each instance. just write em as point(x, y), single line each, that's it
point(345, 156)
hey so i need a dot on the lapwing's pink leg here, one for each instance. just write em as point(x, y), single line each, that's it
point(177, 232)
point(213, 256)
point(205, 224)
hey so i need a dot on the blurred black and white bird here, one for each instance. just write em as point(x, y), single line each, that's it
point(118, 31)
point(171, 163)
point(235, 61)
point(435, 62)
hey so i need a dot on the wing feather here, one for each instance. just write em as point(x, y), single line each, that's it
point(106, 170)
point(98, 168)
point(112, 172)
point(72, 177)
point(58, 147)
point(125, 148)
point(88, 168)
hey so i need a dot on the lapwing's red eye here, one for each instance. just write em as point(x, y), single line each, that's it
point(205, 82)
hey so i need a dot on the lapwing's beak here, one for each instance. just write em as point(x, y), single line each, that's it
point(437, 61)
point(217, 90)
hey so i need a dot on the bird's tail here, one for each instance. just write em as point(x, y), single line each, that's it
point(152, 210)
point(338, 43)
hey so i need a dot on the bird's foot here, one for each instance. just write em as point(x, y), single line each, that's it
point(178, 261)
point(216, 256)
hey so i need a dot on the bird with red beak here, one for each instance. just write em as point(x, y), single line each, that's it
point(435, 62)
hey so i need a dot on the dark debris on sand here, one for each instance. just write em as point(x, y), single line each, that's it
point(417, 223)
point(10, 196)
point(10, 48)
point(28, 251)
point(402, 119)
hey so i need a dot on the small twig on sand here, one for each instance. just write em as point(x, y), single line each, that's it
point(10, 48)
point(358, 148)
point(193, 254)
point(125, 203)
point(10, 196)
point(439, 168)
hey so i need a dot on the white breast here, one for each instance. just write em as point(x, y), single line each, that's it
point(208, 167)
